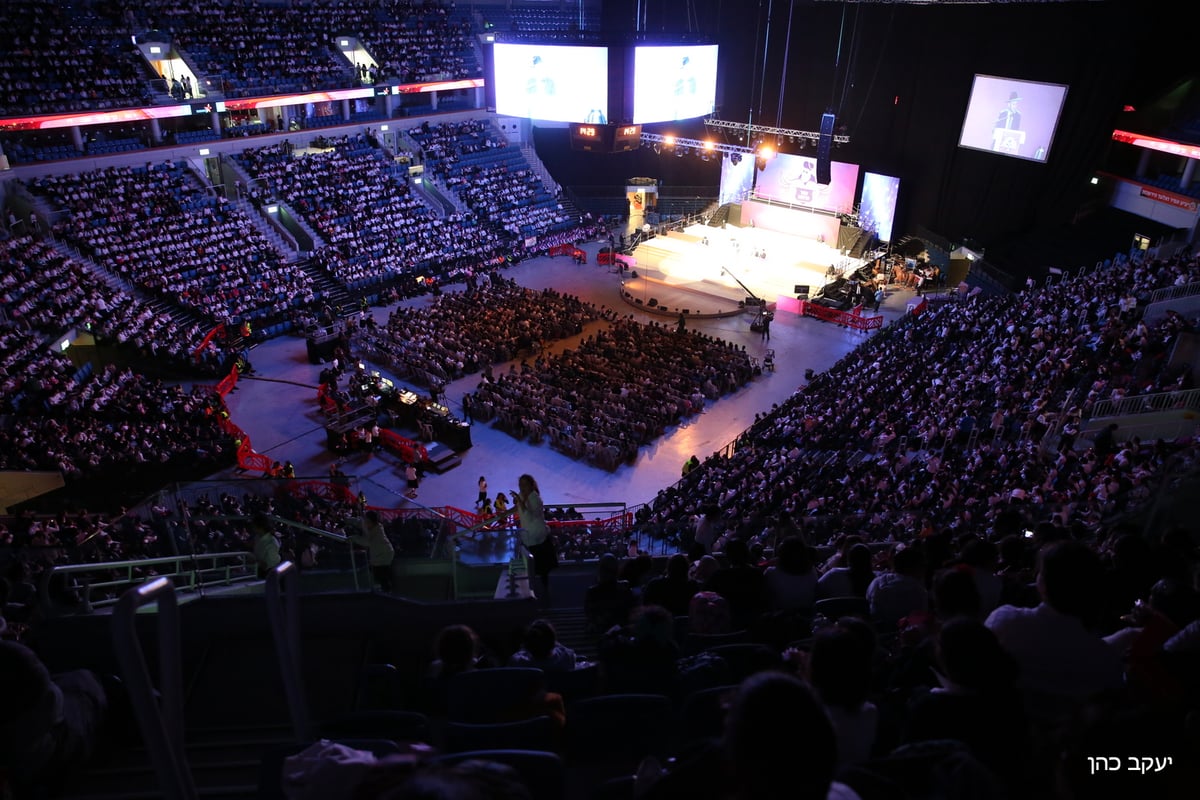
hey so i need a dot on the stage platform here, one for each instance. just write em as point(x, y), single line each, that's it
point(711, 271)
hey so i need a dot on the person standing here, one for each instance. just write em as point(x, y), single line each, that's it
point(483, 492)
point(266, 545)
point(535, 533)
point(412, 479)
point(379, 549)
point(766, 325)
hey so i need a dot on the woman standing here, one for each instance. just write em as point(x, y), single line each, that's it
point(535, 533)
point(483, 492)
point(411, 477)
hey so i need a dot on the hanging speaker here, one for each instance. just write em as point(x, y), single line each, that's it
point(824, 146)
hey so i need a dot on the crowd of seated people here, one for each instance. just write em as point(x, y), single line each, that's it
point(107, 423)
point(155, 227)
point(40, 288)
point(953, 418)
point(621, 388)
point(462, 333)
point(413, 43)
point(492, 178)
point(252, 48)
point(373, 226)
point(54, 58)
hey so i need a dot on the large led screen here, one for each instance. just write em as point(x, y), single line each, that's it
point(877, 209)
point(556, 83)
point(736, 179)
point(793, 179)
point(674, 82)
point(1013, 118)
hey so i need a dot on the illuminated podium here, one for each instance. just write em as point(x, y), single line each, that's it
point(1007, 140)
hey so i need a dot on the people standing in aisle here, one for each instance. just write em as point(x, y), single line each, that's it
point(380, 551)
point(483, 492)
point(535, 533)
point(501, 504)
point(412, 479)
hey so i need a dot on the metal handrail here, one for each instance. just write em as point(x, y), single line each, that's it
point(161, 721)
point(283, 611)
point(1148, 403)
point(229, 567)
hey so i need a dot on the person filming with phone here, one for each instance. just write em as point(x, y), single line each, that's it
point(535, 533)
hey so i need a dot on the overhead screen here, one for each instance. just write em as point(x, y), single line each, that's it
point(674, 82)
point(877, 209)
point(1011, 117)
point(793, 179)
point(556, 83)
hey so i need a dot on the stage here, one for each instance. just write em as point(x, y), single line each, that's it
point(709, 271)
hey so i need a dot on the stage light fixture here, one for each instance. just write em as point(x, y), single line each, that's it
point(669, 140)
point(735, 158)
point(657, 149)
point(709, 144)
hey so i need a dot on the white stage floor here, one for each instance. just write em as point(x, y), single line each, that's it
point(768, 263)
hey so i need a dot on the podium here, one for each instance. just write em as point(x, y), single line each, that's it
point(1007, 140)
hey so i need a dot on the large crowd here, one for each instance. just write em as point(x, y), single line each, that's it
point(373, 227)
point(464, 333)
point(622, 387)
point(474, 161)
point(56, 58)
point(982, 428)
point(157, 228)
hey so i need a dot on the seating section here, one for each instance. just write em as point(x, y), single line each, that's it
point(363, 207)
point(157, 228)
point(46, 291)
point(68, 57)
point(491, 176)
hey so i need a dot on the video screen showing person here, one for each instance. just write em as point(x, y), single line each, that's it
point(556, 83)
point(674, 82)
point(877, 209)
point(1012, 117)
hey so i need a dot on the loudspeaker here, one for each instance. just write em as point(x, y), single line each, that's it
point(653, 302)
point(802, 288)
point(824, 146)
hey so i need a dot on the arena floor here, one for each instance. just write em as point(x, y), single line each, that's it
point(277, 407)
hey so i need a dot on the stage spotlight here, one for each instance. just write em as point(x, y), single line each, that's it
point(709, 144)
point(735, 158)
point(657, 149)
point(669, 140)
point(679, 151)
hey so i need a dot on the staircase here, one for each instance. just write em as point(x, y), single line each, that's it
point(287, 248)
point(539, 168)
point(332, 291)
point(571, 626)
point(719, 217)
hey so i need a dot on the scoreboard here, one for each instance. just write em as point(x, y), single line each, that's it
point(592, 138)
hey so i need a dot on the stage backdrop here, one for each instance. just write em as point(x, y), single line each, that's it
point(793, 180)
point(792, 221)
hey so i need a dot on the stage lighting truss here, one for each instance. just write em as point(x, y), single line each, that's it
point(763, 132)
point(706, 148)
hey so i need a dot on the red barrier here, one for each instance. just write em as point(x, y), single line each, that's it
point(846, 318)
point(406, 448)
point(228, 383)
point(561, 250)
point(606, 258)
point(334, 492)
point(220, 329)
